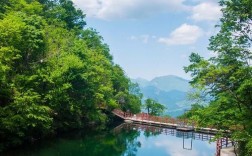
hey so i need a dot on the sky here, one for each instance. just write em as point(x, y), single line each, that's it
point(151, 38)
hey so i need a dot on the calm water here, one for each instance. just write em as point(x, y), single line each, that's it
point(124, 140)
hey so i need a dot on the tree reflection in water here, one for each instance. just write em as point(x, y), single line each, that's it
point(124, 140)
point(150, 131)
point(127, 137)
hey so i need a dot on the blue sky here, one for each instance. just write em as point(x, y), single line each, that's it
point(150, 38)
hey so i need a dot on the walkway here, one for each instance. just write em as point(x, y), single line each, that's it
point(144, 118)
point(223, 145)
point(228, 151)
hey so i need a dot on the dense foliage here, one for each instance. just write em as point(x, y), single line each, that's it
point(227, 77)
point(54, 74)
point(153, 107)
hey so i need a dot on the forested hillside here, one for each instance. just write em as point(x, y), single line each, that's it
point(227, 77)
point(55, 74)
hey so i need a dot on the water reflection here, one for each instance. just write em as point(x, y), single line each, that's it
point(164, 141)
point(124, 140)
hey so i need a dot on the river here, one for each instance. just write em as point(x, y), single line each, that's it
point(122, 140)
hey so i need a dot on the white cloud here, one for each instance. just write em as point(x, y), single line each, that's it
point(184, 35)
point(91, 7)
point(133, 9)
point(206, 11)
point(174, 148)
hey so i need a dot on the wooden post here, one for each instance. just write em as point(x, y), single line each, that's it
point(221, 142)
point(218, 147)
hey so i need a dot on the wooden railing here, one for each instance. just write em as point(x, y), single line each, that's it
point(122, 114)
point(223, 142)
point(147, 117)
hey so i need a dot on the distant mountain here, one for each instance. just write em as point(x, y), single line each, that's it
point(142, 82)
point(170, 82)
point(170, 98)
point(168, 90)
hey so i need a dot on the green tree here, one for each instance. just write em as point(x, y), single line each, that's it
point(23, 116)
point(193, 112)
point(228, 76)
point(153, 107)
point(55, 75)
point(63, 11)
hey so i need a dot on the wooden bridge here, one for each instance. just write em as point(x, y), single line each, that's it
point(179, 124)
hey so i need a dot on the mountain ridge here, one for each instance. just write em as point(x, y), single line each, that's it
point(166, 83)
point(169, 90)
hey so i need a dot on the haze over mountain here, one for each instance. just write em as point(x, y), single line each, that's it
point(169, 90)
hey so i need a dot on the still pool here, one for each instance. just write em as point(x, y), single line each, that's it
point(123, 140)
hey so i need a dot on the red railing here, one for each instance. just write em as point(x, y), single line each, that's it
point(122, 114)
point(147, 117)
point(223, 142)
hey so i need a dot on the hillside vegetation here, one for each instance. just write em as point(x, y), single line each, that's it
point(55, 74)
point(227, 77)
